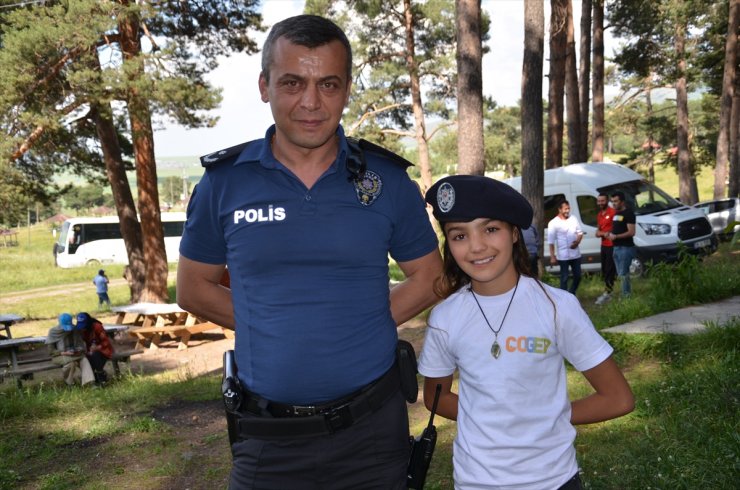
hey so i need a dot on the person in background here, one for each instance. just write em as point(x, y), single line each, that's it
point(508, 335)
point(98, 348)
point(532, 241)
point(564, 235)
point(101, 287)
point(623, 229)
point(67, 349)
point(306, 219)
point(604, 220)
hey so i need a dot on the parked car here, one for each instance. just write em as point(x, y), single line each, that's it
point(722, 213)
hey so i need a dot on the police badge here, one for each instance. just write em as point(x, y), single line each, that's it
point(368, 187)
point(446, 197)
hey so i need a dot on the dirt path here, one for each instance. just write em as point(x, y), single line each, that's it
point(79, 287)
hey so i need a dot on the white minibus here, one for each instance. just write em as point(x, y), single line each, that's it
point(662, 222)
point(97, 241)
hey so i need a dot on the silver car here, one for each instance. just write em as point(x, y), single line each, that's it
point(722, 213)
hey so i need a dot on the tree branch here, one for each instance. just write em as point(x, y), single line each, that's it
point(368, 114)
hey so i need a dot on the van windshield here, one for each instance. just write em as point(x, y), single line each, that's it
point(642, 197)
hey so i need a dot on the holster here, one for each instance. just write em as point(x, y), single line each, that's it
point(231, 391)
point(406, 360)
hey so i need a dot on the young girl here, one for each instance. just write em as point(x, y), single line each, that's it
point(507, 335)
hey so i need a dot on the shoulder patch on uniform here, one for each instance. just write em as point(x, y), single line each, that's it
point(379, 150)
point(222, 155)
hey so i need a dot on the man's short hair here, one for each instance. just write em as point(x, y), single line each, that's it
point(619, 195)
point(563, 203)
point(310, 31)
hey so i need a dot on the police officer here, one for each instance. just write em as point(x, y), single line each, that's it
point(305, 220)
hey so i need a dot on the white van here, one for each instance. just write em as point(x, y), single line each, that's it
point(662, 222)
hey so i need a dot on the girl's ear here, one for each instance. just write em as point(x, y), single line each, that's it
point(515, 230)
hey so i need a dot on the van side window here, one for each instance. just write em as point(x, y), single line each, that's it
point(551, 206)
point(588, 208)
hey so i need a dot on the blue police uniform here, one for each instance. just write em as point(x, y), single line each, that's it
point(308, 267)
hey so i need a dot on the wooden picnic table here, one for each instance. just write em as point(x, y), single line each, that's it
point(153, 321)
point(8, 319)
point(22, 369)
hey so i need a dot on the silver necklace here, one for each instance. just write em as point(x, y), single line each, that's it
point(495, 348)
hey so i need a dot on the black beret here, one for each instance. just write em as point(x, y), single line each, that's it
point(464, 198)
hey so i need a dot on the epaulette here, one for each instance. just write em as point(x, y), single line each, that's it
point(373, 148)
point(222, 155)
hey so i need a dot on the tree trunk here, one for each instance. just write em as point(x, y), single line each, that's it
point(418, 107)
point(584, 77)
point(571, 87)
point(124, 200)
point(558, 38)
point(533, 178)
point(682, 121)
point(470, 148)
point(597, 129)
point(734, 185)
point(155, 289)
point(650, 149)
point(725, 111)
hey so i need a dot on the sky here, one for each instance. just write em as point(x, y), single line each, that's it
point(244, 117)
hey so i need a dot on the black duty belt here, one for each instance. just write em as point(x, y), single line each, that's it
point(264, 419)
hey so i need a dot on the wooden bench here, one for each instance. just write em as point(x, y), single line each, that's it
point(122, 356)
point(27, 371)
point(27, 368)
point(154, 334)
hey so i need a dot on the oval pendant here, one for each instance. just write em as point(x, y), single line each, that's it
point(495, 350)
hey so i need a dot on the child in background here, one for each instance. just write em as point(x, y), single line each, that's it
point(101, 288)
point(507, 334)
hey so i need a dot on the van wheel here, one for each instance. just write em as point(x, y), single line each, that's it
point(94, 262)
point(637, 267)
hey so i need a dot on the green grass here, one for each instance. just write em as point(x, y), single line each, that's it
point(31, 263)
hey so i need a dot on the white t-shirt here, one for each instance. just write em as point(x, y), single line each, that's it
point(513, 424)
point(562, 233)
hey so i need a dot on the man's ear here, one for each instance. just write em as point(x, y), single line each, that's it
point(262, 82)
point(349, 92)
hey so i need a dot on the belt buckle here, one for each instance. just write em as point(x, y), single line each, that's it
point(304, 411)
point(338, 418)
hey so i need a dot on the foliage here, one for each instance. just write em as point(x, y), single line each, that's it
point(648, 29)
point(87, 197)
point(502, 141)
point(54, 74)
point(503, 136)
point(174, 190)
point(380, 105)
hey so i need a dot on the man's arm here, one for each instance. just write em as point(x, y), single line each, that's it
point(629, 233)
point(199, 292)
point(416, 293)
